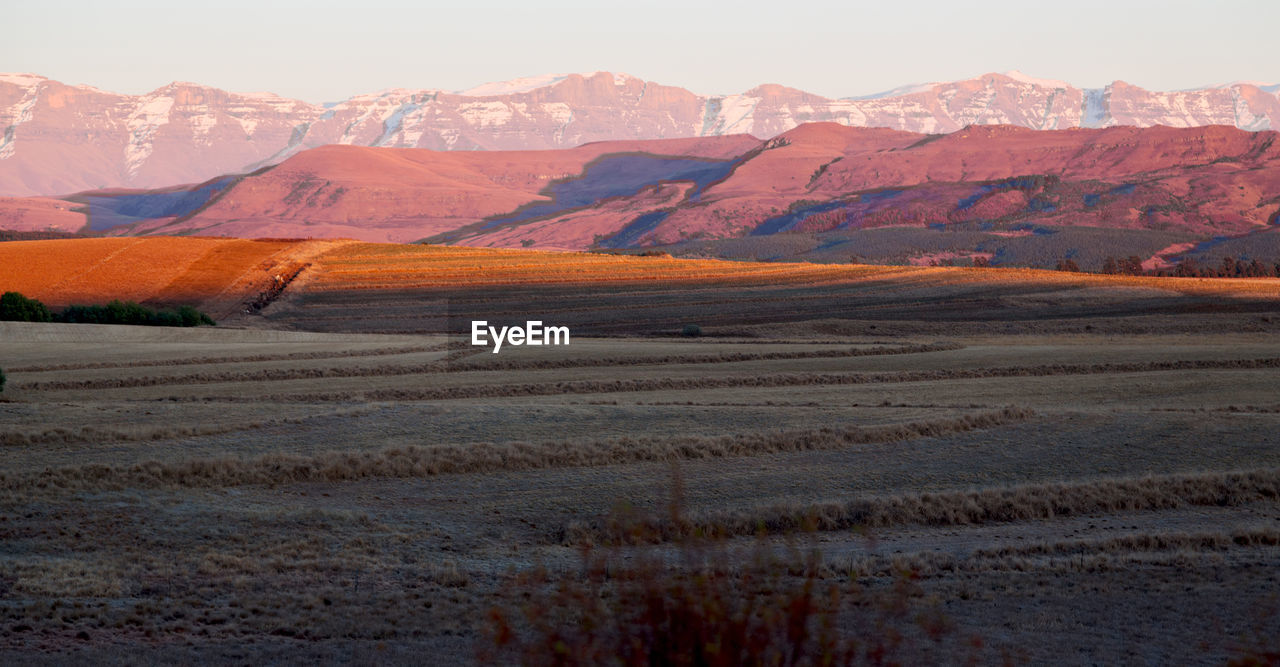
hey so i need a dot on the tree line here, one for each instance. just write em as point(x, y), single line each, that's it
point(14, 307)
point(1229, 267)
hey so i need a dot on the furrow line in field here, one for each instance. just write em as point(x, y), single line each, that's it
point(742, 381)
point(426, 461)
point(449, 365)
point(1014, 503)
point(200, 361)
point(1118, 553)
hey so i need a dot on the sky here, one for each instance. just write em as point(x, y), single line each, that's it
point(323, 51)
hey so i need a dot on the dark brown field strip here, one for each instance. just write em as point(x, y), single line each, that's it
point(426, 461)
point(979, 303)
point(806, 404)
point(1017, 503)
point(277, 374)
point(101, 435)
point(97, 435)
point(492, 363)
point(1243, 409)
point(740, 381)
point(1141, 542)
point(1071, 555)
point(198, 361)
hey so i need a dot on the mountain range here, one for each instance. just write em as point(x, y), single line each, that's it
point(818, 192)
point(60, 139)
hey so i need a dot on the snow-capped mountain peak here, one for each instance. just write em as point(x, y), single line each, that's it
point(513, 86)
point(1044, 83)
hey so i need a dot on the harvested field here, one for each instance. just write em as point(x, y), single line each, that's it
point(1068, 468)
point(423, 288)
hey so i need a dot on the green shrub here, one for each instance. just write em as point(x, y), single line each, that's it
point(17, 308)
point(193, 318)
point(691, 330)
point(80, 315)
point(166, 318)
point(128, 312)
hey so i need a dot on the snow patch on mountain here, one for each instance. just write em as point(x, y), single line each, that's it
point(736, 115)
point(143, 123)
point(17, 115)
point(377, 107)
point(1262, 85)
point(522, 85)
point(909, 89)
point(450, 137)
point(531, 83)
point(1245, 119)
point(1190, 109)
point(1094, 113)
point(485, 114)
point(559, 111)
point(247, 117)
point(202, 119)
point(20, 79)
point(394, 124)
point(1043, 83)
point(413, 124)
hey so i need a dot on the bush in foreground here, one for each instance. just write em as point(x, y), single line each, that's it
point(691, 330)
point(645, 614)
point(707, 603)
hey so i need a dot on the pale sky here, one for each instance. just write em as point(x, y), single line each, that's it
point(323, 51)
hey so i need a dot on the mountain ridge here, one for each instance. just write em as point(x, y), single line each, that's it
point(60, 139)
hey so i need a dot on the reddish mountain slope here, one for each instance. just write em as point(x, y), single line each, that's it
point(389, 194)
point(1212, 180)
point(30, 214)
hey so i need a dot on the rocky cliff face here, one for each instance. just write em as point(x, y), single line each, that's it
point(59, 139)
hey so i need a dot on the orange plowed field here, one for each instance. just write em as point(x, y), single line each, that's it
point(161, 270)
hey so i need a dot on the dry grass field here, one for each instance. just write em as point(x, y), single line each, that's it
point(970, 465)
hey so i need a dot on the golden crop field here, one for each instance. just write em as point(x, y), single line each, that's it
point(393, 266)
point(384, 266)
